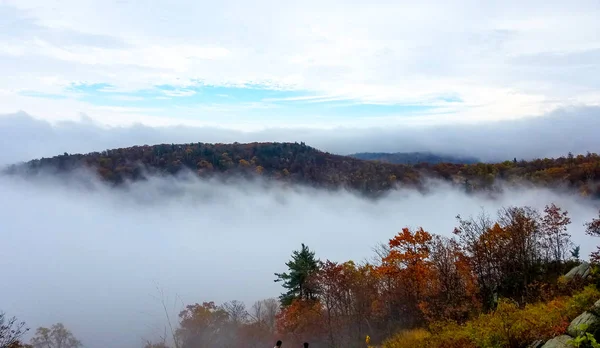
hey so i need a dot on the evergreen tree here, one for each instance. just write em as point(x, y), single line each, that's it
point(575, 253)
point(297, 282)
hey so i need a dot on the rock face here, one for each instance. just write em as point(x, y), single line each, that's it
point(588, 321)
point(559, 342)
point(595, 308)
point(582, 271)
point(585, 322)
point(536, 344)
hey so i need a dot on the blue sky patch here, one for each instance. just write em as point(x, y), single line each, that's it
point(250, 100)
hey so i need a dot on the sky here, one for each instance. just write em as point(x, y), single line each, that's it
point(317, 64)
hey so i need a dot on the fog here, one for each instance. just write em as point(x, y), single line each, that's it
point(91, 256)
point(565, 130)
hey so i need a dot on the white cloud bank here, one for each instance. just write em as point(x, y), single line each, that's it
point(91, 259)
point(505, 60)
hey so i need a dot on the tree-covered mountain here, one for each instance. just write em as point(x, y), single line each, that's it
point(299, 163)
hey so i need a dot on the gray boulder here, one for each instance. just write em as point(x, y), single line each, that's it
point(595, 308)
point(582, 271)
point(536, 344)
point(587, 320)
point(559, 342)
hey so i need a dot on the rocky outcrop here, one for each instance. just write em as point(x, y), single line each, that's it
point(582, 271)
point(559, 342)
point(536, 344)
point(586, 322)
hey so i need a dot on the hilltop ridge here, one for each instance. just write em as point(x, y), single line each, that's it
point(300, 163)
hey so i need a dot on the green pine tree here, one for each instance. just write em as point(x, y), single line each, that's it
point(297, 282)
point(575, 253)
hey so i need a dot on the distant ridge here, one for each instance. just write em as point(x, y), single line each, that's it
point(302, 164)
point(413, 158)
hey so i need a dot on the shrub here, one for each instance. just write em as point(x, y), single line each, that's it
point(507, 326)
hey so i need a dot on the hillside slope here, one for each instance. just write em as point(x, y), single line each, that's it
point(299, 163)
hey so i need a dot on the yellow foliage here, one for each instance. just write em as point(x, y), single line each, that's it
point(507, 326)
point(416, 338)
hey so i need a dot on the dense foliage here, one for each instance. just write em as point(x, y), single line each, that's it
point(508, 326)
point(498, 282)
point(293, 162)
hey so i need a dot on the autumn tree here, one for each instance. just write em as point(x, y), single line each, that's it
point(302, 267)
point(592, 228)
point(482, 242)
point(259, 330)
point(555, 236)
point(264, 312)
point(11, 331)
point(347, 292)
point(236, 312)
point(453, 288)
point(57, 336)
point(408, 273)
point(507, 256)
point(303, 319)
point(201, 326)
point(523, 261)
point(335, 290)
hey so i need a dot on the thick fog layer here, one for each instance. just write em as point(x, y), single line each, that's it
point(91, 257)
point(556, 134)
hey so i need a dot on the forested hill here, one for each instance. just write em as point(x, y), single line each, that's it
point(300, 163)
point(413, 158)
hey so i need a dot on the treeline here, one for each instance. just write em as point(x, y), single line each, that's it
point(56, 336)
point(413, 158)
point(299, 163)
point(497, 281)
point(491, 266)
point(419, 279)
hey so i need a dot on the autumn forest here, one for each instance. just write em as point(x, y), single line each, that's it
point(302, 164)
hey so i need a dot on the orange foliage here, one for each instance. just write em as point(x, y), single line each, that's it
point(302, 319)
point(593, 229)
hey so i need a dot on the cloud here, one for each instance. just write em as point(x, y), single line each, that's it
point(90, 256)
point(503, 61)
point(556, 134)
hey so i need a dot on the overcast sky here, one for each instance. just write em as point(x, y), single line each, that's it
point(253, 64)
